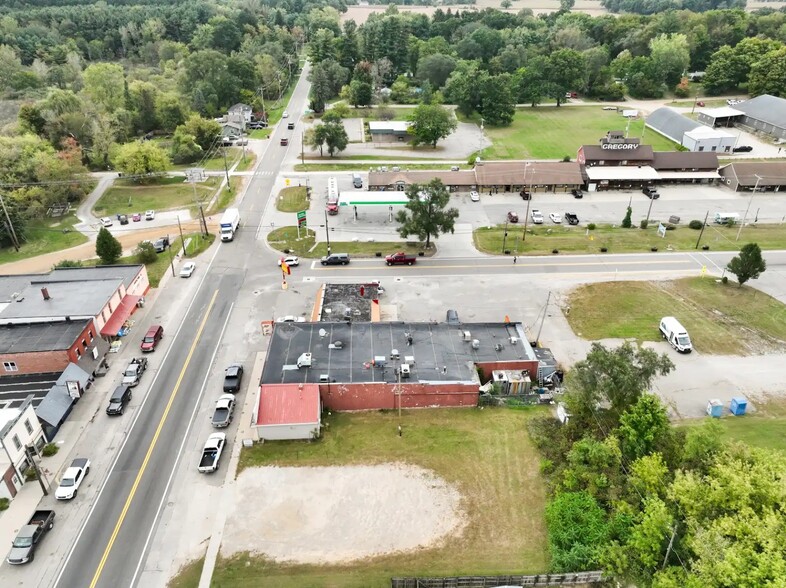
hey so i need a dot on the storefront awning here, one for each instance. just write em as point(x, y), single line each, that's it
point(120, 315)
point(599, 173)
point(677, 175)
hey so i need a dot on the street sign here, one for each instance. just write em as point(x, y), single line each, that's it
point(301, 218)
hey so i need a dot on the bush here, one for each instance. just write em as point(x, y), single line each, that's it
point(30, 474)
point(626, 222)
point(50, 449)
point(385, 113)
point(67, 263)
point(725, 279)
point(670, 227)
point(146, 253)
point(695, 225)
point(643, 224)
point(591, 227)
point(4, 503)
point(472, 159)
point(566, 159)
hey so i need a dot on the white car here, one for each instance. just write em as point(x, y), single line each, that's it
point(474, 196)
point(106, 221)
point(290, 260)
point(188, 269)
point(285, 114)
point(72, 479)
point(150, 214)
point(556, 218)
point(290, 319)
point(537, 217)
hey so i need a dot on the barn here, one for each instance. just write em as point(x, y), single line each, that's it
point(766, 114)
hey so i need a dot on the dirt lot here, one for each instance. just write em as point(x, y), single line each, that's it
point(340, 514)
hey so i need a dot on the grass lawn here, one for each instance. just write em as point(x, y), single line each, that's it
point(128, 197)
point(248, 163)
point(486, 454)
point(544, 238)
point(215, 163)
point(309, 167)
point(260, 133)
point(227, 196)
point(286, 238)
point(44, 236)
point(722, 319)
point(553, 133)
point(292, 199)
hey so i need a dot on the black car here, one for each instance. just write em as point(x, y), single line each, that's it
point(291, 126)
point(161, 244)
point(525, 195)
point(571, 218)
point(335, 259)
point(650, 192)
point(743, 149)
point(123, 219)
point(577, 193)
point(233, 376)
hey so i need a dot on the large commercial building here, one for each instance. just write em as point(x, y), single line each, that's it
point(755, 175)
point(765, 113)
point(689, 133)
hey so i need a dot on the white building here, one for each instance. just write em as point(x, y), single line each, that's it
point(282, 413)
point(689, 133)
point(19, 428)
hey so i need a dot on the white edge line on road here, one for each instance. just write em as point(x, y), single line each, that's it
point(180, 450)
point(130, 430)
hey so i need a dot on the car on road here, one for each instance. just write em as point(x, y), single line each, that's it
point(537, 216)
point(284, 141)
point(513, 216)
point(161, 244)
point(106, 221)
point(136, 217)
point(290, 126)
point(222, 415)
point(733, 101)
point(474, 196)
point(525, 194)
point(123, 219)
point(700, 103)
point(72, 479)
point(743, 149)
point(117, 402)
point(335, 259)
point(233, 376)
point(150, 214)
point(401, 258)
point(259, 124)
point(556, 218)
point(290, 260)
point(650, 192)
point(285, 114)
point(290, 318)
point(572, 218)
point(577, 193)
point(188, 269)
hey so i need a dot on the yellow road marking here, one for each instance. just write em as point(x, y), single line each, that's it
point(152, 446)
point(523, 265)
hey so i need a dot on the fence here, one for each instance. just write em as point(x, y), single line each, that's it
point(570, 579)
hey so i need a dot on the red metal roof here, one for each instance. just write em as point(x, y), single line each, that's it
point(288, 404)
point(119, 316)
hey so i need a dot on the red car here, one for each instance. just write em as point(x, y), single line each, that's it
point(137, 217)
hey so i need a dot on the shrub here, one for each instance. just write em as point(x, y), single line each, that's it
point(566, 159)
point(591, 227)
point(643, 224)
point(695, 225)
point(50, 449)
point(31, 474)
point(626, 222)
point(725, 279)
point(146, 253)
point(670, 227)
point(4, 503)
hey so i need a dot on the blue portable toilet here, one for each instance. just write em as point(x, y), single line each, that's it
point(715, 408)
point(738, 405)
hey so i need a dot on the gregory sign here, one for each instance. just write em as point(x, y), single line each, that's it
point(619, 146)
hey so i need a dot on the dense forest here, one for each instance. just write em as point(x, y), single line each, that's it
point(656, 6)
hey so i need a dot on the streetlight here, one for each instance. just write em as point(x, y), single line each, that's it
point(750, 201)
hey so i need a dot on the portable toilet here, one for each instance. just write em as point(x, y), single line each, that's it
point(738, 405)
point(715, 408)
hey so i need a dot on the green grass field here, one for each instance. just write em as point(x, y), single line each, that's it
point(543, 239)
point(292, 199)
point(486, 454)
point(127, 197)
point(287, 238)
point(722, 319)
point(197, 243)
point(553, 133)
point(45, 235)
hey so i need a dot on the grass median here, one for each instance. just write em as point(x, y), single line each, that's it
point(45, 235)
point(286, 238)
point(128, 197)
point(292, 199)
point(543, 239)
point(720, 318)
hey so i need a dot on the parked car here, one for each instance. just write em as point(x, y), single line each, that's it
point(161, 244)
point(571, 218)
point(188, 269)
point(284, 141)
point(117, 402)
point(732, 101)
point(743, 149)
point(525, 195)
point(537, 216)
point(556, 218)
point(577, 193)
point(133, 373)
point(106, 221)
point(650, 192)
point(29, 536)
point(123, 219)
point(136, 217)
point(513, 216)
point(211, 454)
point(290, 260)
point(700, 103)
point(609, 108)
point(222, 415)
point(290, 126)
point(233, 376)
point(152, 337)
point(150, 214)
point(72, 479)
point(474, 196)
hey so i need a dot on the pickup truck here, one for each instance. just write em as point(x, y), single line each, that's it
point(222, 416)
point(72, 479)
point(29, 536)
point(134, 371)
point(400, 258)
point(211, 454)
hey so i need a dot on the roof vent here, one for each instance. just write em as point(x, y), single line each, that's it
point(45, 293)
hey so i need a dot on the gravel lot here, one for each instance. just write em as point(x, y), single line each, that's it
point(338, 514)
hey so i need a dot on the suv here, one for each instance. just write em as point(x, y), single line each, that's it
point(537, 217)
point(335, 259)
point(650, 192)
point(290, 126)
point(117, 402)
point(571, 218)
point(151, 339)
point(233, 377)
point(123, 219)
point(513, 216)
point(577, 193)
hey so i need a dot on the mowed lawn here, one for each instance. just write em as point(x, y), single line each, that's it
point(44, 235)
point(720, 318)
point(128, 197)
point(486, 454)
point(548, 132)
point(306, 246)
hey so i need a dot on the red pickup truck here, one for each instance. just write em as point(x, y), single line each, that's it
point(400, 258)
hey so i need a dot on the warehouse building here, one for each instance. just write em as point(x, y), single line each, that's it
point(689, 133)
point(764, 113)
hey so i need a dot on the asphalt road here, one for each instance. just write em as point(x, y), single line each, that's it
point(111, 546)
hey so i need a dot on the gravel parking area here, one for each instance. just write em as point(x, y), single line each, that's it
point(337, 514)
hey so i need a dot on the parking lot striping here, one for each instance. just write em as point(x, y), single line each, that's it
point(180, 449)
point(152, 446)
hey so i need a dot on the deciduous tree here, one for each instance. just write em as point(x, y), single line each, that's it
point(749, 264)
point(335, 137)
point(430, 123)
point(426, 213)
point(104, 84)
point(141, 158)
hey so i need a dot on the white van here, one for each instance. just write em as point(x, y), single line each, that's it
point(357, 180)
point(675, 334)
point(724, 218)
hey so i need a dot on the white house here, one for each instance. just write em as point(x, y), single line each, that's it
point(282, 413)
point(242, 110)
point(19, 427)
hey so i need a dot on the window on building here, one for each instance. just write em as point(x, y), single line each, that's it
point(84, 343)
point(28, 427)
point(78, 354)
point(90, 334)
point(701, 147)
point(10, 366)
point(17, 442)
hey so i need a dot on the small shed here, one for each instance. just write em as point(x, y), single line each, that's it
point(383, 131)
point(288, 412)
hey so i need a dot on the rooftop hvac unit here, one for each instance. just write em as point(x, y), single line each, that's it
point(404, 370)
point(379, 361)
point(475, 344)
point(323, 378)
point(410, 359)
point(304, 360)
point(467, 336)
point(514, 340)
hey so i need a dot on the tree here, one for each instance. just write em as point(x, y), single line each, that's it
point(426, 214)
point(104, 84)
point(143, 97)
point(146, 253)
point(626, 222)
point(567, 72)
point(108, 248)
point(360, 93)
point(184, 147)
point(205, 131)
point(430, 123)
point(497, 103)
point(724, 73)
point(335, 137)
point(577, 531)
point(748, 265)
point(314, 137)
point(436, 69)
point(768, 75)
point(170, 111)
point(644, 428)
point(141, 158)
point(671, 56)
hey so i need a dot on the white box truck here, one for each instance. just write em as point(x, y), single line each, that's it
point(675, 334)
point(229, 224)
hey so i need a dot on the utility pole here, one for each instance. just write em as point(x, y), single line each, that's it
point(226, 169)
point(302, 147)
point(649, 210)
point(327, 232)
point(505, 236)
point(750, 201)
point(10, 225)
point(182, 240)
point(531, 194)
point(171, 261)
point(204, 222)
point(704, 224)
point(39, 473)
point(543, 320)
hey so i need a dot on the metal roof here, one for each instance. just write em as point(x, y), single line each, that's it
point(127, 273)
point(685, 160)
point(288, 404)
point(766, 108)
point(671, 123)
point(722, 112)
point(66, 299)
point(58, 402)
point(449, 178)
point(525, 173)
point(772, 173)
point(33, 337)
point(389, 125)
point(388, 198)
point(598, 153)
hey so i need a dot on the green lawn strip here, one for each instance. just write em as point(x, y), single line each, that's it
point(260, 133)
point(286, 238)
point(545, 238)
point(721, 319)
point(310, 167)
point(226, 197)
point(292, 199)
point(394, 160)
point(568, 128)
point(708, 102)
point(246, 164)
point(127, 197)
point(215, 163)
point(44, 235)
point(188, 576)
point(486, 454)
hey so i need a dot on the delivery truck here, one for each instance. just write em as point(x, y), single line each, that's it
point(675, 334)
point(229, 224)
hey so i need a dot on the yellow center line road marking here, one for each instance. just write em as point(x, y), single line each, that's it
point(525, 265)
point(152, 446)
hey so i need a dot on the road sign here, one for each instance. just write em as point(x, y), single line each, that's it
point(301, 218)
point(287, 181)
